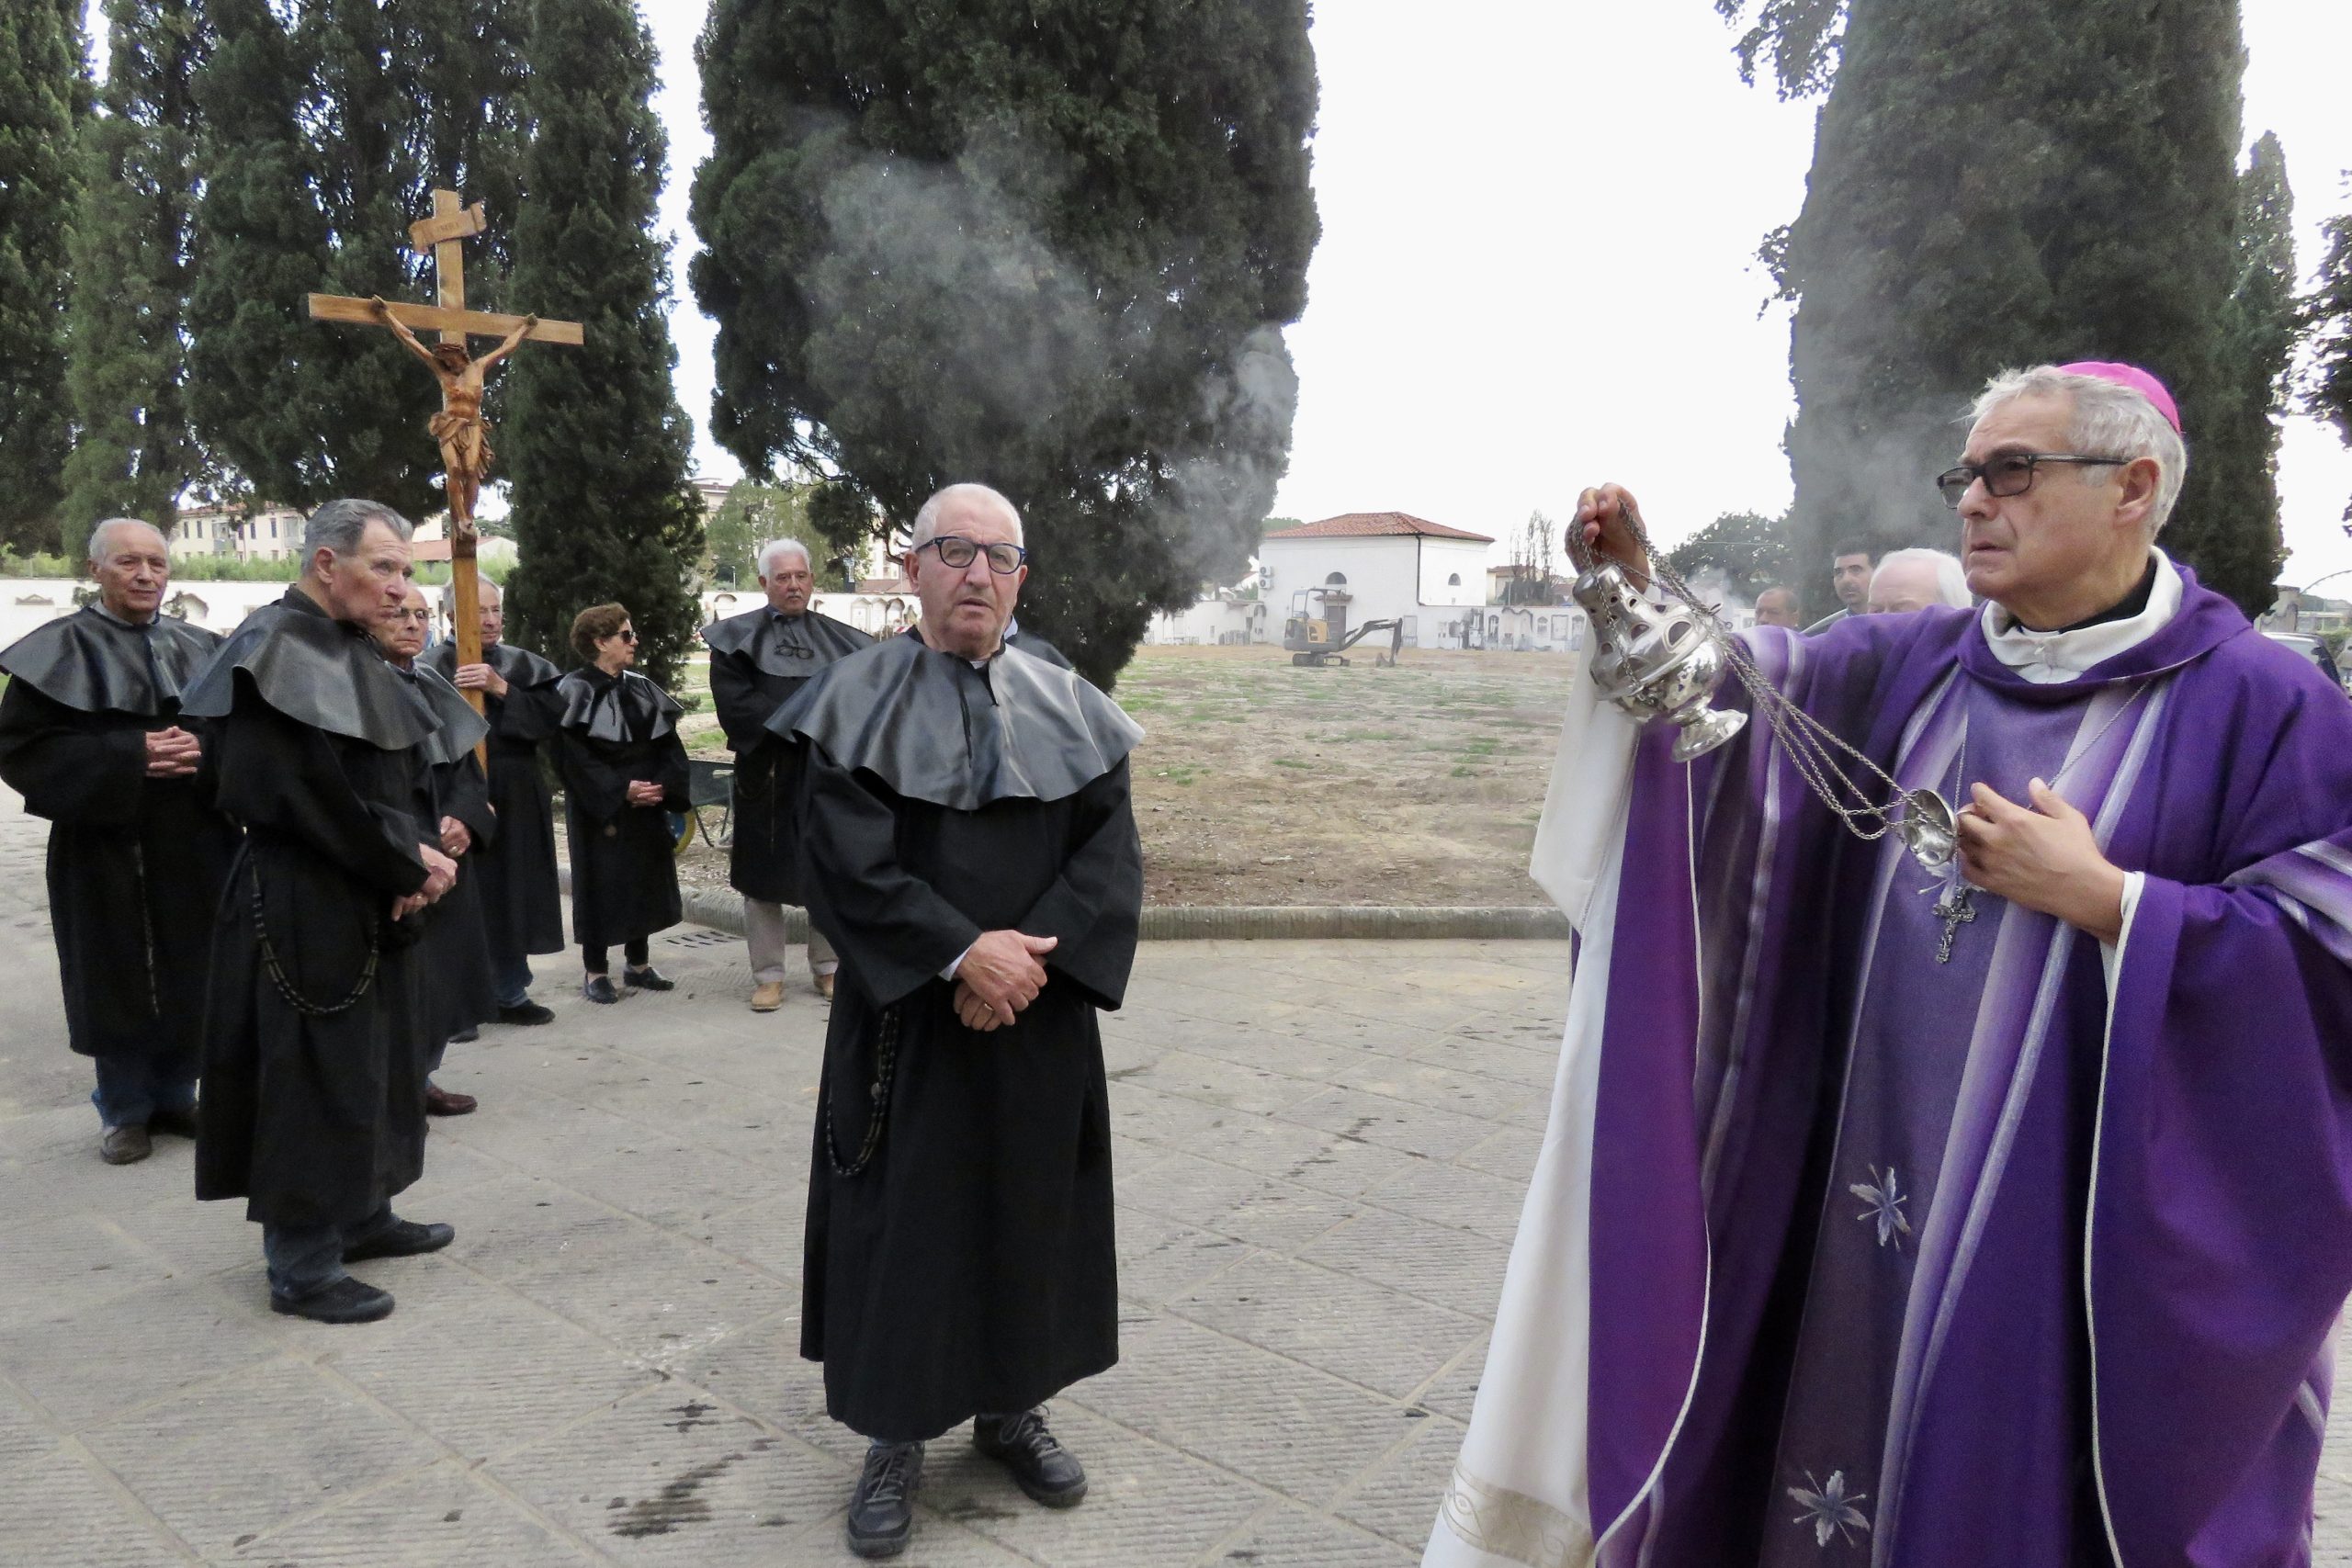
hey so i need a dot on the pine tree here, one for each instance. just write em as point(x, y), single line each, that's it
point(321, 143)
point(132, 452)
point(1748, 549)
point(1048, 250)
point(1998, 183)
point(43, 86)
point(596, 447)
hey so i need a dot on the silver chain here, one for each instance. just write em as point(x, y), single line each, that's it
point(1808, 742)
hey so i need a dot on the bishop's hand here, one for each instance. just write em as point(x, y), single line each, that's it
point(2044, 856)
point(1605, 527)
point(456, 836)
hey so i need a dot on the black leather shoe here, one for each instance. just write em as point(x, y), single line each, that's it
point(1049, 1473)
point(526, 1013)
point(882, 1509)
point(403, 1238)
point(178, 1123)
point(647, 979)
point(466, 1036)
point(346, 1301)
point(599, 989)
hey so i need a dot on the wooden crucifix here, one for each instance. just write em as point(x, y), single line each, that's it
point(463, 435)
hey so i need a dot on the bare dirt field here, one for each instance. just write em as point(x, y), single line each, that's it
point(1259, 782)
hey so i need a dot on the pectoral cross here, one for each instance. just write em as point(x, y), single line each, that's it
point(1955, 909)
point(458, 427)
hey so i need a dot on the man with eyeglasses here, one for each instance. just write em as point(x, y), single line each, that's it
point(1945, 1209)
point(973, 855)
point(758, 660)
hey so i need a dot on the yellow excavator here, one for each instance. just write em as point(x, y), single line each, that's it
point(1316, 631)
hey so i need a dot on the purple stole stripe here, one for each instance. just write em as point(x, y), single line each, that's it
point(2030, 956)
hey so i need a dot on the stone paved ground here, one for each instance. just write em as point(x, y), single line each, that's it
point(1321, 1151)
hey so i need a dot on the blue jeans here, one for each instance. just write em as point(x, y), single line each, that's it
point(132, 1088)
point(305, 1259)
point(509, 978)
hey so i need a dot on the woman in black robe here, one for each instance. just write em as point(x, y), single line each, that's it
point(624, 768)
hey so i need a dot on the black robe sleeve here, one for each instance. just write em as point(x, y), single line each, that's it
point(465, 794)
point(743, 709)
point(525, 712)
point(598, 789)
point(69, 767)
point(1095, 906)
point(895, 928)
point(672, 775)
point(282, 776)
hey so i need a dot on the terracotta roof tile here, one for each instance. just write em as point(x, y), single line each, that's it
point(1377, 524)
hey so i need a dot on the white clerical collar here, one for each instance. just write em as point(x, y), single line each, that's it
point(2048, 658)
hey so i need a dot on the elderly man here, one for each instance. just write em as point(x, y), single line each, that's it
point(1938, 1213)
point(1914, 579)
point(453, 810)
point(90, 735)
point(758, 660)
point(522, 900)
point(1849, 577)
point(973, 855)
point(1777, 607)
point(313, 1108)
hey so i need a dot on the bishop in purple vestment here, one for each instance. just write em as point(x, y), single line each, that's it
point(1999, 1216)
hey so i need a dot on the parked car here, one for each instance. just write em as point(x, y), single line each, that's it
point(2310, 647)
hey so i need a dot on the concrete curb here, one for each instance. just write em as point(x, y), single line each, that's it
point(721, 909)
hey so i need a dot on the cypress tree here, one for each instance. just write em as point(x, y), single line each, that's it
point(2235, 453)
point(1998, 183)
point(43, 86)
point(1051, 250)
point(132, 452)
point(322, 140)
point(2328, 314)
point(595, 445)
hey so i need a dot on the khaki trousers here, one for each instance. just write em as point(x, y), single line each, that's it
point(764, 933)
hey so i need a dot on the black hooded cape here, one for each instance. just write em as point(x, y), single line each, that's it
point(522, 900)
point(759, 660)
point(958, 1254)
point(615, 730)
point(313, 1103)
point(130, 856)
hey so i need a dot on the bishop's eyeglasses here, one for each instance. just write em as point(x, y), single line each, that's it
point(955, 553)
point(2011, 473)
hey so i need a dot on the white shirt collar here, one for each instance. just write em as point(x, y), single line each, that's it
point(2048, 658)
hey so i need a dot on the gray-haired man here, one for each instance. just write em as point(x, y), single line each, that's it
point(313, 1108)
point(758, 660)
point(90, 734)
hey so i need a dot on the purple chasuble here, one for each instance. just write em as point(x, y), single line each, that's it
point(1942, 1265)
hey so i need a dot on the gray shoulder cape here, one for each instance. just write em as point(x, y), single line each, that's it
point(932, 727)
point(94, 663)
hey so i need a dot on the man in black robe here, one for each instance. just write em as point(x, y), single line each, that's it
point(313, 1108)
point(758, 660)
point(90, 735)
point(522, 900)
point(973, 855)
point(452, 810)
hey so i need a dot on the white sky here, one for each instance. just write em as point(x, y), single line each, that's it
point(1486, 335)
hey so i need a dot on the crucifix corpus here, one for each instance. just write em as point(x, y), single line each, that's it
point(459, 428)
